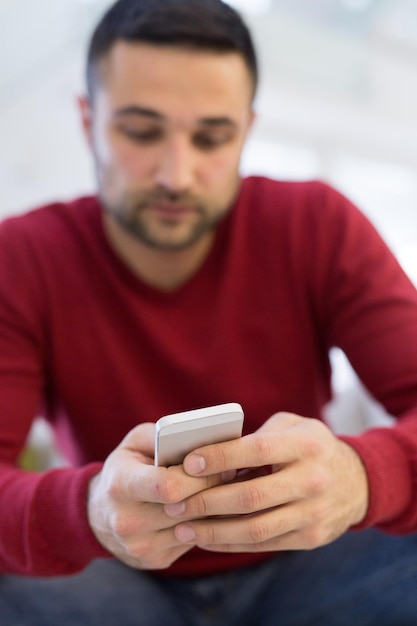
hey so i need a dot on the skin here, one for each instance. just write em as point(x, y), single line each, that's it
point(316, 490)
point(166, 129)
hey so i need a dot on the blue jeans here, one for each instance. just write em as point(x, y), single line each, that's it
point(363, 579)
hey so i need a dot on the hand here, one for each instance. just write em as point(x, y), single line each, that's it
point(316, 489)
point(125, 503)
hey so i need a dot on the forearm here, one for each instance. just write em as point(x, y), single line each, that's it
point(44, 528)
point(390, 458)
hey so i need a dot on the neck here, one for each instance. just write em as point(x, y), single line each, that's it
point(164, 269)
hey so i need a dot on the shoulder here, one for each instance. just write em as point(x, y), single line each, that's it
point(41, 242)
point(49, 220)
point(303, 207)
point(282, 197)
point(41, 251)
point(309, 226)
point(50, 229)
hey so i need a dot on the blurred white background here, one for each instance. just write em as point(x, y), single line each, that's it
point(338, 101)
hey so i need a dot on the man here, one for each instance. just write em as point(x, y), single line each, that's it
point(182, 286)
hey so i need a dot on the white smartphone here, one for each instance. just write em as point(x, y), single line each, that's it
point(178, 434)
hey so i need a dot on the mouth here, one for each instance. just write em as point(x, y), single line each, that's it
point(171, 211)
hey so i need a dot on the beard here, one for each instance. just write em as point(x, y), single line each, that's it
point(162, 220)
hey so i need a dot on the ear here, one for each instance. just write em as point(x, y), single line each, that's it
point(249, 124)
point(86, 114)
point(252, 119)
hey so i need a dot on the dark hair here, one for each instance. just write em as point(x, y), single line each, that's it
point(199, 24)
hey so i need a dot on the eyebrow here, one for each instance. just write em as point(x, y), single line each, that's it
point(155, 115)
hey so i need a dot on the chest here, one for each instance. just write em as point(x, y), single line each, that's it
point(246, 336)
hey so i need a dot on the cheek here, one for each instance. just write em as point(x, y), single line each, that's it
point(133, 163)
point(123, 158)
point(222, 171)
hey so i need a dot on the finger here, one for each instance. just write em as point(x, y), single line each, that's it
point(280, 421)
point(255, 450)
point(241, 530)
point(135, 522)
point(283, 439)
point(290, 541)
point(141, 482)
point(156, 551)
point(307, 538)
point(141, 439)
point(245, 497)
point(156, 561)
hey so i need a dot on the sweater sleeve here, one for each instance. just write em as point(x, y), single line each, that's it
point(369, 309)
point(44, 528)
point(43, 522)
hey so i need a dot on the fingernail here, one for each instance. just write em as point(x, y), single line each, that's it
point(185, 533)
point(229, 475)
point(174, 510)
point(194, 464)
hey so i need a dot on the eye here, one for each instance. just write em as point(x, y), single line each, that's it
point(210, 141)
point(150, 135)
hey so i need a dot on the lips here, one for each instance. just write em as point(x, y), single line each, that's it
point(171, 211)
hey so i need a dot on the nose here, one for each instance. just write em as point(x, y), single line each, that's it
point(175, 171)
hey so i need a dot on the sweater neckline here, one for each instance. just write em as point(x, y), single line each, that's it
point(135, 282)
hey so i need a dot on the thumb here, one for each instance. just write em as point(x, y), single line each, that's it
point(141, 439)
point(280, 421)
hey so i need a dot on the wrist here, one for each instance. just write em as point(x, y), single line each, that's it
point(358, 492)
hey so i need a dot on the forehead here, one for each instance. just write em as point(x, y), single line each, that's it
point(172, 79)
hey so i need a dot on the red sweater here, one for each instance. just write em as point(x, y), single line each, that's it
point(295, 269)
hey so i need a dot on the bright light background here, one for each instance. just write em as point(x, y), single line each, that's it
point(337, 101)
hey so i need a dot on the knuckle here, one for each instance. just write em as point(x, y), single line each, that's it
point(152, 561)
point(121, 525)
point(311, 446)
point(143, 554)
point(261, 449)
point(148, 556)
point(313, 537)
point(169, 490)
point(249, 499)
point(283, 526)
point(316, 482)
point(198, 506)
point(218, 457)
point(258, 532)
point(114, 489)
point(315, 441)
point(211, 535)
